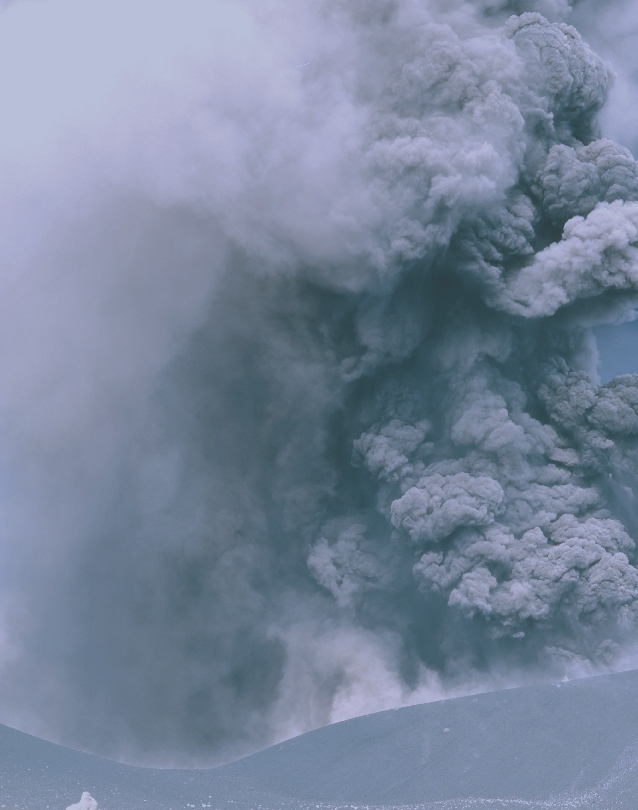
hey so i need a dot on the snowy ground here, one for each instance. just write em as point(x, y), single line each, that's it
point(568, 745)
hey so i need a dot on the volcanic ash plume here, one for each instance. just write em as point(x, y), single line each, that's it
point(358, 454)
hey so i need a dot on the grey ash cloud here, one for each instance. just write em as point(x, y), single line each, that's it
point(303, 418)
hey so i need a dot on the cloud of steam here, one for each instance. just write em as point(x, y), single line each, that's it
point(300, 409)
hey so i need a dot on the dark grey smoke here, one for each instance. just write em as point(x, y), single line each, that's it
point(301, 414)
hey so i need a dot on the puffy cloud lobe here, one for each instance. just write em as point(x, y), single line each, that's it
point(539, 503)
point(486, 421)
point(387, 453)
point(569, 80)
point(431, 166)
point(579, 571)
point(602, 420)
point(488, 244)
point(439, 504)
point(616, 410)
point(574, 179)
point(596, 253)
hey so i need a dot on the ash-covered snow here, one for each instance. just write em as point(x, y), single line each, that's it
point(563, 746)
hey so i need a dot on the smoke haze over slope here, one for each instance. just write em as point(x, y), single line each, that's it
point(301, 415)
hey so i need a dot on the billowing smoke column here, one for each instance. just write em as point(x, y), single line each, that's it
point(369, 461)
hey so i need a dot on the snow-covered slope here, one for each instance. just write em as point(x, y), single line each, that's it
point(568, 745)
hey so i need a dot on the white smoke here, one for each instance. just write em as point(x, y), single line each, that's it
point(300, 408)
